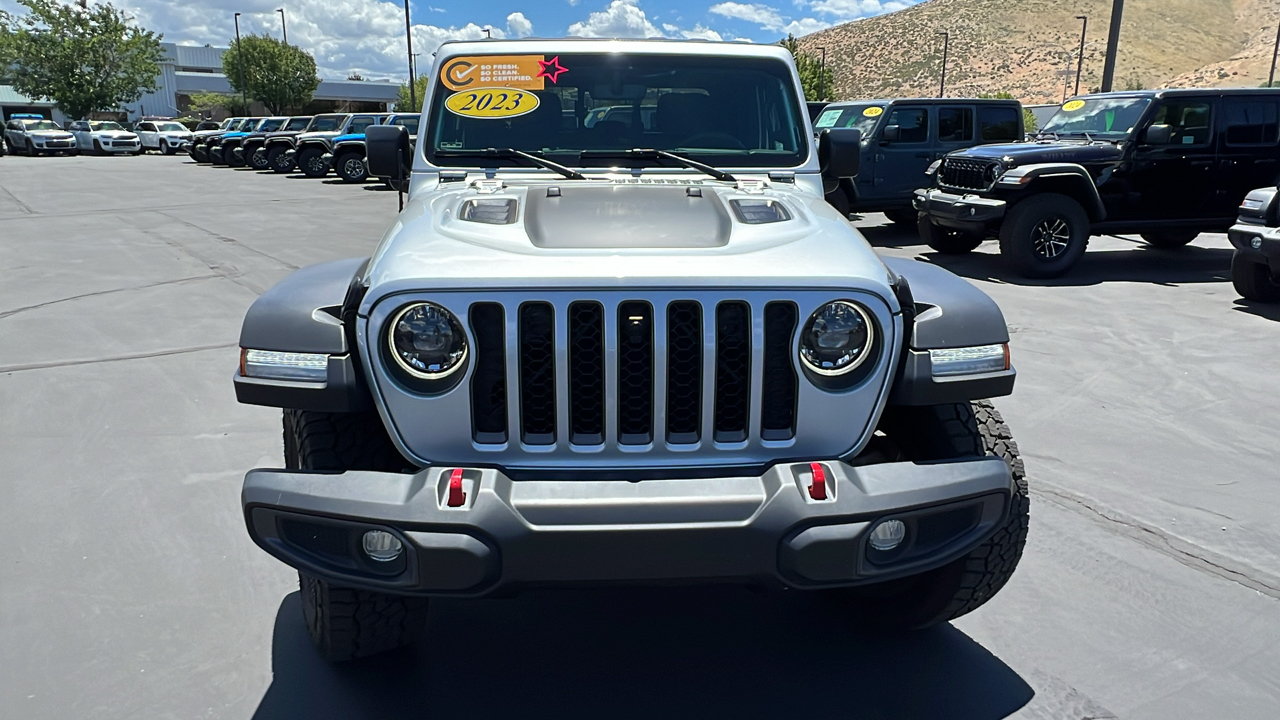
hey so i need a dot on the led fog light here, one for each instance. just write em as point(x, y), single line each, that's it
point(1256, 243)
point(383, 546)
point(885, 536)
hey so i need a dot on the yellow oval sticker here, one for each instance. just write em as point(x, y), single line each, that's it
point(1073, 105)
point(873, 112)
point(492, 103)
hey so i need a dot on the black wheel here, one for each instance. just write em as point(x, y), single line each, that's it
point(1169, 239)
point(258, 159)
point(164, 148)
point(351, 168)
point(946, 240)
point(229, 155)
point(31, 148)
point(343, 622)
point(1044, 235)
point(97, 148)
point(946, 432)
point(902, 217)
point(311, 162)
point(279, 160)
point(1253, 280)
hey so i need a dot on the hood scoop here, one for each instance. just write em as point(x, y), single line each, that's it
point(626, 216)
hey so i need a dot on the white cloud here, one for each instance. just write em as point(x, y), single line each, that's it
point(623, 18)
point(518, 25)
point(762, 15)
point(851, 9)
point(772, 19)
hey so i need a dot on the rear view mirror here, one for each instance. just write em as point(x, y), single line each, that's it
point(387, 151)
point(891, 133)
point(1158, 135)
point(839, 152)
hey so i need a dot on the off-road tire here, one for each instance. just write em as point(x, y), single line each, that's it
point(1018, 245)
point(902, 217)
point(311, 164)
point(946, 240)
point(343, 622)
point(1253, 280)
point(280, 162)
point(947, 432)
point(345, 165)
point(1169, 239)
point(258, 160)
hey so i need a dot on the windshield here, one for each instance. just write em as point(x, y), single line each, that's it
point(1105, 117)
point(100, 126)
point(862, 117)
point(726, 112)
point(270, 125)
point(409, 121)
point(40, 125)
point(297, 124)
point(326, 123)
point(171, 127)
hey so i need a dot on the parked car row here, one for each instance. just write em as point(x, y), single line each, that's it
point(36, 135)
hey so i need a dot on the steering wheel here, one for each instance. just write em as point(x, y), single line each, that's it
point(713, 139)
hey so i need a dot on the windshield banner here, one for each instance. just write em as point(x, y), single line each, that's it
point(524, 72)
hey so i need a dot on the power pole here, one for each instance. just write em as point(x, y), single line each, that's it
point(244, 96)
point(946, 45)
point(1272, 79)
point(822, 75)
point(408, 36)
point(1080, 61)
point(1113, 42)
point(283, 30)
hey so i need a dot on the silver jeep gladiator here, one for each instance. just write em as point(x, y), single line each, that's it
point(640, 351)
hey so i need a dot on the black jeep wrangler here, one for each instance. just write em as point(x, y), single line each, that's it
point(1164, 164)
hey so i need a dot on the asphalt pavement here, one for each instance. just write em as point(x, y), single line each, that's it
point(1146, 409)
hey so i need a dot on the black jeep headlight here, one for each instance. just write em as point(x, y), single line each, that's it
point(837, 338)
point(427, 341)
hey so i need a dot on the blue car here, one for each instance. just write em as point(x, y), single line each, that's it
point(347, 157)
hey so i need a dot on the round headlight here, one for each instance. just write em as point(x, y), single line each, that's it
point(837, 338)
point(427, 341)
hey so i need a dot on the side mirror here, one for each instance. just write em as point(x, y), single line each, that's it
point(1158, 135)
point(891, 134)
point(839, 152)
point(387, 150)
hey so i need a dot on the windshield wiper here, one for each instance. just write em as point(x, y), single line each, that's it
point(651, 154)
point(512, 153)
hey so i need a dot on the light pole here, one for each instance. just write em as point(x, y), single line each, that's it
point(1080, 61)
point(1271, 79)
point(244, 96)
point(946, 45)
point(408, 37)
point(283, 30)
point(822, 75)
point(1113, 42)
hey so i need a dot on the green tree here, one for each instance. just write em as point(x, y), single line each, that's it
point(403, 102)
point(1028, 117)
point(85, 58)
point(278, 75)
point(816, 80)
point(209, 101)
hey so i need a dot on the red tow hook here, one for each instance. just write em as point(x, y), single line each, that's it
point(456, 496)
point(818, 490)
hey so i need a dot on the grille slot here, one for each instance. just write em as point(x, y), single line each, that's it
point(635, 373)
point(778, 404)
point(489, 383)
point(537, 374)
point(684, 372)
point(733, 371)
point(586, 373)
point(966, 174)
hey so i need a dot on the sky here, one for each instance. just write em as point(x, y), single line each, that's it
point(367, 36)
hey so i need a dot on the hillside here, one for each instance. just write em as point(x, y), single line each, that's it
point(1027, 47)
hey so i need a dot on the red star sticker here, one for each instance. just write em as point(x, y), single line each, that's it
point(551, 69)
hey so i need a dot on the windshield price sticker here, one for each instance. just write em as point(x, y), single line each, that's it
point(492, 103)
point(525, 72)
point(873, 112)
point(1073, 105)
point(827, 118)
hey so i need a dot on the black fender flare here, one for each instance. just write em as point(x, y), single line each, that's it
point(1067, 178)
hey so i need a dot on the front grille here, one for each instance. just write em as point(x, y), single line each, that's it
point(537, 374)
point(967, 174)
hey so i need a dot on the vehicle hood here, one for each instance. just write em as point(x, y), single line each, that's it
point(50, 134)
point(112, 135)
point(228, 136)
point(613, 234)
point(349, 137)
point(326, 136)
point(1015, 154)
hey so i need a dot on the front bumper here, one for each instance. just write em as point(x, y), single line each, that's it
point(1244, 236)
point(958, 211)
point(766, 529)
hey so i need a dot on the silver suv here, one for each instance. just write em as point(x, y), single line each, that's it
point(639, 352)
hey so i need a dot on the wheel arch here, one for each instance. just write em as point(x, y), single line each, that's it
point(1063, 178)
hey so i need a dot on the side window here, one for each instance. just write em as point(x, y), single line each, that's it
point(999, 124)
point(913, 124)
point(1189, 119)
point(955, 124)
point(1251, 122)
point(359, 124)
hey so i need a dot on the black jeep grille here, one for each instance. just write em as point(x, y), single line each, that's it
point(967, 174)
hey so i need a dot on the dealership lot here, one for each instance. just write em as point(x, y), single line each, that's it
point(1145, 410)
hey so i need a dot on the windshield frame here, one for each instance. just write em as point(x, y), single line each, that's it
point(802, 160)
point(177, 127)
point(1148, 102)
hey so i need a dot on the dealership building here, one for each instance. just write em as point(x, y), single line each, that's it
point(189, 70)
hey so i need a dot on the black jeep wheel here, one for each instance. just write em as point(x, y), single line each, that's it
point(351, 168)
point(902, 217)
point(1253, 280)
point(1169, 239)
point(1044, 235)
point(948, 432)
point(279, 160)
point(343, 622)
point(311, 162)
point(258, 159)
point(946, 240)
point(200, 154)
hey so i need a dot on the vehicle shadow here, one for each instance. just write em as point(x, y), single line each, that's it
point(890, 234)
point(645, 653)
point(1143, 264)
point(1267, 311)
